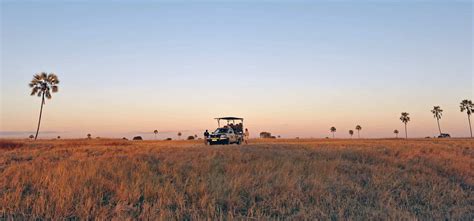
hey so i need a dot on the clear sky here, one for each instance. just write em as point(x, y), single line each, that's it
point(290, 68)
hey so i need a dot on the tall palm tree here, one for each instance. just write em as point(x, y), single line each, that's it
point(43, 85)
point(333, 130)
point(351, 132)
point(468, 106)
point(358, 128)
point(396, 133)
point(437, 113)
point(155, 132)
point(179, 135)
point(405, 118)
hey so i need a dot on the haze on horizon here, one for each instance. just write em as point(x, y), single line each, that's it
point(290, 68)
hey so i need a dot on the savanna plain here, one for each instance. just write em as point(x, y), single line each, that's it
point(266, 179)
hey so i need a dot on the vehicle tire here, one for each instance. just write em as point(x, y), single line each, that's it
point(239, 141)
point(228, 142)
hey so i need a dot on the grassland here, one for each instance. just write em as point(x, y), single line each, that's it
point(278, 179)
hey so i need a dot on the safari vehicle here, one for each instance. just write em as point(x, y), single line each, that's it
point(444, 136)
point(231, 132)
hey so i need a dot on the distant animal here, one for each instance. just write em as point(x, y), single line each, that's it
point(137, 138)
point(444, 136)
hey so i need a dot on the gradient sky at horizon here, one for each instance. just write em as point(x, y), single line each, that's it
point(291, 68)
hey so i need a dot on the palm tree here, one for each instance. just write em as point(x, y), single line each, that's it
point(396, 133)
point(89, 136)
point(358, 128)
point(351, 132)
point(43, 85)
point(59, 137)
point(333, 130)
point(468, 106)
point(179, 135)
point(155, 132)
point(405, 118)
point(437, 112)
point(32, 136)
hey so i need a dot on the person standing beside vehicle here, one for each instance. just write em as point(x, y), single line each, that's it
point(206, 136)
point(246, 136)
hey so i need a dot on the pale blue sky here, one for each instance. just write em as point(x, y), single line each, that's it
point(294, 69)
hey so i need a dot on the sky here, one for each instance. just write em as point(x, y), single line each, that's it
point(292, 68)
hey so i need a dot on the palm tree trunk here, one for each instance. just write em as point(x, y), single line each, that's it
point(332, 134)
point(439, 127)
point(39, 120)
point(358, 134)
point(406, 133)
point(470, 128)
point(396, 136)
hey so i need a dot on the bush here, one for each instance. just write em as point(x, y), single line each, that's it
point(190, 137)
point(137, 138)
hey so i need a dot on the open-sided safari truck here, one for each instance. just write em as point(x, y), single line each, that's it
point(231, 132)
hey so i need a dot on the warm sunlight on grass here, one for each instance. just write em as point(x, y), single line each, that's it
point(294, 179)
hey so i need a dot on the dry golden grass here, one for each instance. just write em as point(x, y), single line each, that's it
point(278, 179)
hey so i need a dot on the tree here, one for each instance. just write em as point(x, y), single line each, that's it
point(43, 85)
point(179, 135)
point(358, 128)
point(155, 132)
point(466, 105)
point(437, 113)
point(351, 132)
point(89, 136)
point(405, 118)
point(265, 134)
point(396, 133)
point(333, 130)
point(59, 137)
point(32, 136)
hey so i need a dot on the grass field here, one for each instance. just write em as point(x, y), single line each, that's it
point(278, 179)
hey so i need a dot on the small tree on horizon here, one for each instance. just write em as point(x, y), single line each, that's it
point(351, 132)
point(59, 137)
point(31, 136)
point(333, 131)
point(89, 136)
point(43, 85)
point(179, 135)
point(155, 132)
point(405, 119)
point(358, 128)
point(396, 133)
point(466, 105)
point(437, 113)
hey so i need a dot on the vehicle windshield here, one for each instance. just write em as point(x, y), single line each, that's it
point(221, 130)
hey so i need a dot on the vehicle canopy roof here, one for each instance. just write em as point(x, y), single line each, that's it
point(229, 118)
